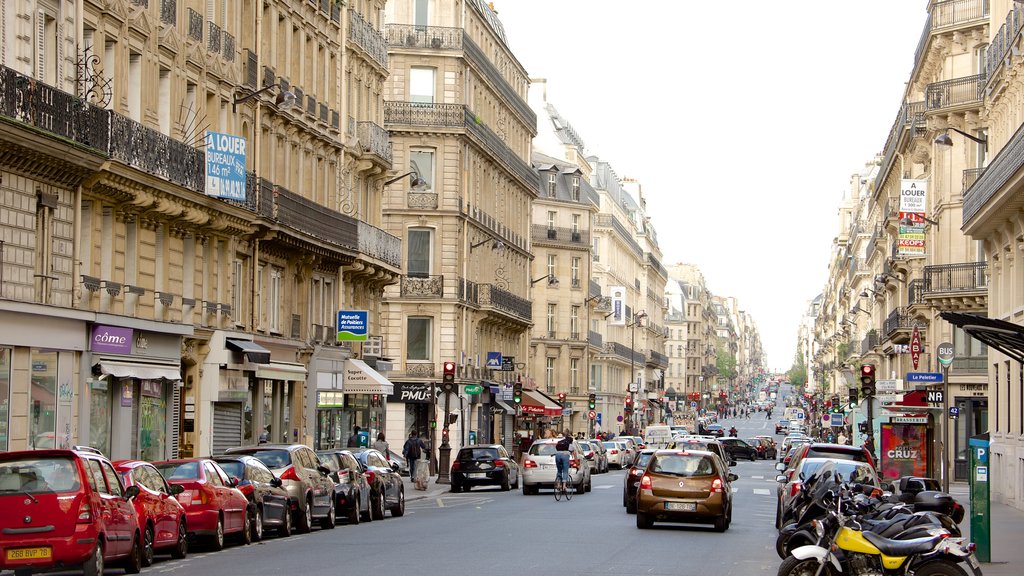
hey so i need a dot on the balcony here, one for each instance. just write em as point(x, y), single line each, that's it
point(378, 244)
point(970, 176)
point(950, 13)
point(505, 302)
point(955, 278)
point(195, 26)
point(1004, 41)
point(421, 114)
point(51, 110)
point(595, 289)
point(999, 172)
point(374, 140)
point(369, 39)
point(657, 359)
point(169, 12)
point(543, 233)
point(468, 292)
point(899, 320)
point(969, 91)
point(910, 121)
point(915, 292)
point(433, 37)
point(422, 286)
point(868, 343)
point(595, 339)
point(421, 200)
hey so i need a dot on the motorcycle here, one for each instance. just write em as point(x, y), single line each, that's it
point(843, 546)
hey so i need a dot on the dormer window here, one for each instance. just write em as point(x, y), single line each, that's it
point(551, 185)
point(576, 188)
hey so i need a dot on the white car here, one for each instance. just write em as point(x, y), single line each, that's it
point(539, 467)
point(619, 454)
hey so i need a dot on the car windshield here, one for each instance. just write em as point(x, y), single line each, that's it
point(543, 449)
point(179, 470)
point(643, 459)
point(478, 454)
point(611, 445)
point(34, 475)
point(233, 468)
point(585, 446)
point(273, 458)
point(683, 465)
point(835, 454)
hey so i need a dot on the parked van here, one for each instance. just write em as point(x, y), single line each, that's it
point(658, 436)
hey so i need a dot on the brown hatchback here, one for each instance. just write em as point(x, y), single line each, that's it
point(685, 486)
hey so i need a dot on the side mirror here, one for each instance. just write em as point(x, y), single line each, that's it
point(352, 475)
point(732, 461)
point(396, 467)
point(276, 482)
point(175, 489)
point(233, 481)
point(781, 479)
point(131, 492)
point(324, 470)
point(888, 487)
point(780, 466)
point(733, 477)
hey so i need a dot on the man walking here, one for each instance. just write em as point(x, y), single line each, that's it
point(353, 440)
point(413, 451)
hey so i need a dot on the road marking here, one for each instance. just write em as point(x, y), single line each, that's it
point(440, 502)
point(757, 477)
point(604, 486)
point(762, 491)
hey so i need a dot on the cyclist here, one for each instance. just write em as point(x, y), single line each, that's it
point(563, 446)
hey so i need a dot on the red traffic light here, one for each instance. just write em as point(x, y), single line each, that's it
point(449, 367)
point(561, 396)
point(867, 369)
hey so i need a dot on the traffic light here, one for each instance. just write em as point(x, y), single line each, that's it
point(853, 396)
point(517, 392)
point(433, 424)
point(592, 401)
point(629, 403)
point(561, 398)
point(448, 378)
point(867, 379)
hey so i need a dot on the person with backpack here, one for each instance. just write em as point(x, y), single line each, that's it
point(562, 447)
point(413, 450)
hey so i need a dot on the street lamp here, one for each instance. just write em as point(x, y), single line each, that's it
point(496, 245)
point(944, 139)
point(552, 281)
point(284, 100)
point(637, 318)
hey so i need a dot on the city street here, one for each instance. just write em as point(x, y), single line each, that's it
point(494, 532)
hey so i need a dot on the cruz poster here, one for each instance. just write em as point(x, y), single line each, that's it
point(904, 451)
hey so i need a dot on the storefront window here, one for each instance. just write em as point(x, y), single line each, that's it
point(152, 420)
point(5, 395)
point(99, 415)
point(42, 414)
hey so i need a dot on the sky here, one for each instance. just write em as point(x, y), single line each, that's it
point(743, 122)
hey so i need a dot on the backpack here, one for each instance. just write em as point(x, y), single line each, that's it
point(412, 449)
point(563, 444)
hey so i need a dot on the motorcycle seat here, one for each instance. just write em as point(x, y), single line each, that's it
point(901, 547)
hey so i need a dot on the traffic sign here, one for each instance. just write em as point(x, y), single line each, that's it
point(954, 411)
point(888, 385)
point(925, 377)
point(693, 404)
point(800, 415)
point(566, 411)
point(945, 353)
point(934, 397)
point(837, 420)
point(592, 415)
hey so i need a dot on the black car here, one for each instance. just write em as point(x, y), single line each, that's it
point(737, 449)
point(781, 426)
point(631, 483)
point(351, 489)
point(268, 501)
point(484, 465)
point(387, 492)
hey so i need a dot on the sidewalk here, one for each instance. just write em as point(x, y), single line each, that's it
point(433, 490)
point(1006, 529)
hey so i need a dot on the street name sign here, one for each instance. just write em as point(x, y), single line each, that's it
point(925, 377)
point(888, 385)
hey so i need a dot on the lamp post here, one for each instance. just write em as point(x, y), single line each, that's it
point(637, 319)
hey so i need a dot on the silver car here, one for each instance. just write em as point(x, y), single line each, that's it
point(594, 453)
point(539, 467)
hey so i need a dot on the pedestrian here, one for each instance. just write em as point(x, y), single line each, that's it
point(842, 438)
point(413, 451)
point(353, 440)
point(381, 445)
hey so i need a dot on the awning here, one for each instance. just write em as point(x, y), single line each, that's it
point(253, 352)
point(504, 406)
point(1004, 336)
point(282, 371)
point(536, 403)
point(141, 370)
point(361, 379)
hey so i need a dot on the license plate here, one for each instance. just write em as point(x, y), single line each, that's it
point(28, 553)
point(681, 506)
point(477, 474)
point(973, 561)
point(546, 466)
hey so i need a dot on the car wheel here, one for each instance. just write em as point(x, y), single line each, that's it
point(516, 485)
point(353, 513)
point(778, 515)
point(378, 507)
point(180, 549)
point(287, 527)
point(505, 484)
point(721, 524)
point(217, 540)
point(94, 565)
point(398, 510)
point(528, 490)
point(590, 484)
point(630, 506)
point(456, 488)
point(329, 521)
point(368, 515)
point(257, 524)
point(147, 546)
point(643, 521)
point(305, 517)
point(133, 563)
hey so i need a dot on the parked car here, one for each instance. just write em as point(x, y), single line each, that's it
point(387, 491)
point(65, 508)
point(617, 451)
point(791, 442)
point(685, 486)
point(595, 457)
point(484, 465)
point(737, 448)
point(399, 460)
point(310, 491)
point(269, 506)
point(351, 489)
point(161, 517)
point(789, 484)
point(601, 453)
point(214, 508)
point(834, 451)
point(539, 467)
point(631, 482)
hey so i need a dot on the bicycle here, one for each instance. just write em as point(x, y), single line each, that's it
point(564, 488)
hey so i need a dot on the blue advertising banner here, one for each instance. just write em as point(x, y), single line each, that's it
point(352, 325)
point(225, 166)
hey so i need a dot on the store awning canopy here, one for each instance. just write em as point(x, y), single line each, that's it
point(141, 370)
point(253, 352)
point(282, 371)
point(537, 403)
point(1004, 336)
point(361, 379)
point(508, 408)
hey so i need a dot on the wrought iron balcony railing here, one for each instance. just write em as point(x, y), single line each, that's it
point(900, 319)
point(378, 244)
point(960, 277)
point(433, 37)
point(505, 301)
point(427, 286)
point(424, 114)
point(169, 12)
point(915, 291)
point(657, 359)
point(1004, 40)
point(542, 232)
point(36, 104)
point(956, 92)
point(374, 139)
point(364, 35)
point(595, 338)
point(970, 176)
point(195, 25)
point(468, 291)
point(595, 289)
point(213, 38)
point(956, 12)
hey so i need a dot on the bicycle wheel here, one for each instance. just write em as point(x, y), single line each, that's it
point(559, 490)
point(568, 487)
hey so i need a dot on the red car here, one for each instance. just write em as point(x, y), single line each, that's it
point(63, 509)
point(161, 516)
point(214, 508)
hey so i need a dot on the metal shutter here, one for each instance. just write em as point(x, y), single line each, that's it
point(175, 418)
point(227, 426)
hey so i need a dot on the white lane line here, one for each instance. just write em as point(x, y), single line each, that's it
point(757, 477)
point(604, 486)
point(762, 491)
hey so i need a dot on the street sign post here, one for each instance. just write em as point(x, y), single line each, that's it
point(888, 385)
point(944, 353)
point(935, 397)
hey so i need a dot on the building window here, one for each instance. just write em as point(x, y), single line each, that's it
point(551, 266)
point(422, 14)
point(552, 219)
point(274, 300)
point(549, 372)
point(419, 254)
point(595, 250)
point(552, 180)
point(595, 377)
point(552, 319)
point(575, 226)
point(418, 338)
point(257, 299)
point(575, 272)
point(5, 397)
point(574, 374)
point(135, 86)
point(576, 188)
point(574, 321)
point(237, 281)
point(421, 164)
point(421, 85)
point(164, 101)
point(47, 45)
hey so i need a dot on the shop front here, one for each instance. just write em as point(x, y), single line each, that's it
point(355, 396)
point(410, 407)
point(132, 396)
point(538, 415)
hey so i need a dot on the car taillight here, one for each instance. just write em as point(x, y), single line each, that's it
point(794, 488)
point(290, 474)
point(85, 513)
point(574, 463)
point(246, 489)
point(371, 476)
point(198, 497)
point(529, 464)
point(636, 472)
point(645, 483)
point(456, 465)
point(716, 485)
point(499, 464)
point(614, 451)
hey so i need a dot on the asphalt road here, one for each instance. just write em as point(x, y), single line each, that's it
point(496, 533)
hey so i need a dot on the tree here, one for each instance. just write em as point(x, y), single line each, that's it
point(726, 363)
point(798, 372)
